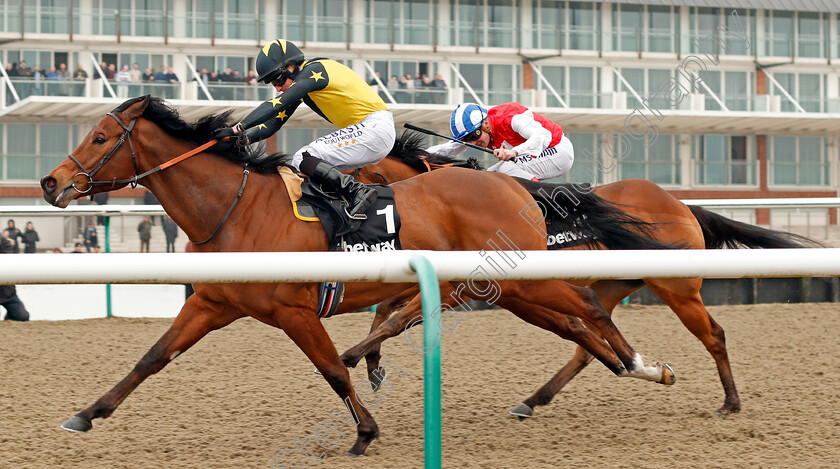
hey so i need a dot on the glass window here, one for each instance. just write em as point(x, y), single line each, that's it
point(582, 31)
point(546, 17)
point(779, 33)
point(627, 24)
point(809, 37)
point(660, 32)
point(739, 23)
point(54, 139)
point(809, 92)
point(582, 86)
point(724, 159)
point(416, 22)
point(784, 160)
point(465, 17)
point(501, 17)
point(654, 160)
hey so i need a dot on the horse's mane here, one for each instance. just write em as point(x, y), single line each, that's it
point(411, 150)
point(200, 131)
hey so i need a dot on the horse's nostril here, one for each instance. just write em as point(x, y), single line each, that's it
point(48, 183)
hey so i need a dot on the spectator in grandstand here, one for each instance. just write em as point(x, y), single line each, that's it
point(111, 72)
point(439, 85)
point(38, 77)
point(8, 245)
point(77, 249)
point(171, 77)
point(145, 230)
point(170, 229)
point(90, 236)
point(123, 78)
point(52, 82)
point(14, 235)
point(30, 237)
point(24, 71)
point(205, 77)
point(160, 76)
point(15, 311)
point(80, 73)
point(11, 71)
point(148, 75)
point(251, 90)
point(527, 144)
point(104, 67)
point(135, 74)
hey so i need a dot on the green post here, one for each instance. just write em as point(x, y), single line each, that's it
point(107, 221)
point(430, 295)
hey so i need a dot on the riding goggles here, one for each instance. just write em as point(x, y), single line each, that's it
point(472, 136)
point(281, 78)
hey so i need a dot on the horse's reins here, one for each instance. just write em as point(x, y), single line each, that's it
point(126, 135)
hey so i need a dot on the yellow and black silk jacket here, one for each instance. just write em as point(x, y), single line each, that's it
point(329, 88)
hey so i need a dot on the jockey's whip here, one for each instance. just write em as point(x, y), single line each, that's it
point(432, 132)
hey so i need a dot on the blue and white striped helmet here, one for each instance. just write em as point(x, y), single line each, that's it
point(466, 119)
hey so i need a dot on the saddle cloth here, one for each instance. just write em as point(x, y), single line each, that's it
point(380, 231)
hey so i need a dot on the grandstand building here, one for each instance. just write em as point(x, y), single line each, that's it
point(708, 98)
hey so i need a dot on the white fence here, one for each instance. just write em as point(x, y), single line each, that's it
point(255, 267)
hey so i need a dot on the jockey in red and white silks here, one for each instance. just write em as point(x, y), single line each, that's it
point(527, 144)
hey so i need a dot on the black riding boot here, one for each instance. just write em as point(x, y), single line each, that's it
point(359, 195)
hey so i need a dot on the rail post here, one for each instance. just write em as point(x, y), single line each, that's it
point(430, 296)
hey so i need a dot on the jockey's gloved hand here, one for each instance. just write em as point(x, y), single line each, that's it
point(225, 132)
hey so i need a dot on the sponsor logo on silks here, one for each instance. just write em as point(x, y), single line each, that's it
point(547, 152)
point(565, 237)
point(365, 247)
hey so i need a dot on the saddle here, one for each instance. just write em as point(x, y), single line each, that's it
point(379, 231)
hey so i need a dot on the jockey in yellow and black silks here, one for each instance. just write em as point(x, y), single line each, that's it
point(366, 127)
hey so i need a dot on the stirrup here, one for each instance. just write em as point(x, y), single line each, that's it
point(358, 216)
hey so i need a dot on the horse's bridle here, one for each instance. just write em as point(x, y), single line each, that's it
point(126, 135)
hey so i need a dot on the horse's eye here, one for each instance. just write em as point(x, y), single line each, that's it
point(99, 140)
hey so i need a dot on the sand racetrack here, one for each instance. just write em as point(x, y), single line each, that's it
point(246, 392)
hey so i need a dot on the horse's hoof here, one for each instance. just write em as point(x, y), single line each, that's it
point(316, 371)
point(352, 454)
point(668, 375)
point(377, 376)
point(77, 424)
point(522, 411)
point(728, 409)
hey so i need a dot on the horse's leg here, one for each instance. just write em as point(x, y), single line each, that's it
point(683, 296)
point(307, 332)
point(567, 327)
point(383, 312)
point(408, 316)
point(195, 320)
point(609, 293)
point(582, 303)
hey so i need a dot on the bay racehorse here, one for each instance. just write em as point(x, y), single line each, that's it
point(222, 206)
point(689, 226)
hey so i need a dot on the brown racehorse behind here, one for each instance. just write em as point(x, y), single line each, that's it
point(692, 227)
point(456, 209)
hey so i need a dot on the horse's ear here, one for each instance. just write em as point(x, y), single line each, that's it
point(136, 110)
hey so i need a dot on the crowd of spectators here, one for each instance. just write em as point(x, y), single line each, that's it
point(59, 81)
point(231, 84)
point(417, 89)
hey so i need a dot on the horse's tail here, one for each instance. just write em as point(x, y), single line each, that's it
point(720, 232)
point(572, 207)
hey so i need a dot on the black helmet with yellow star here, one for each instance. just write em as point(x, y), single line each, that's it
point(276, 56)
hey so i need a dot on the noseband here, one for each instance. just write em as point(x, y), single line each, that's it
point(126, 135)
